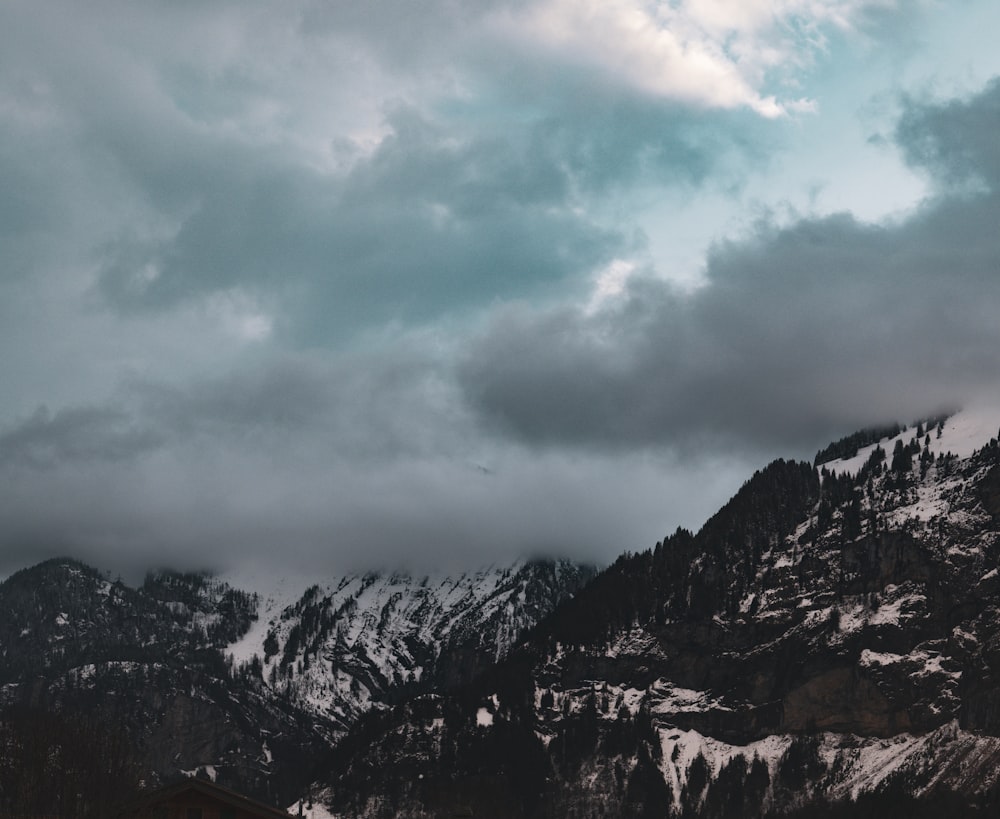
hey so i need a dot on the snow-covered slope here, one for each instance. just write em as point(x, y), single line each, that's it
point(274, 591)
point(247, 678)
point(339, 647)
point(960, 434)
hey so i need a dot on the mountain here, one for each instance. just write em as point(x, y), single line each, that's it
point(360, 641)
point(828, 644)
point(82, 651)
point(191, 674)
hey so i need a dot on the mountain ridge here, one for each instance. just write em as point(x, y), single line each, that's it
point(854, 600)
point(157, 659)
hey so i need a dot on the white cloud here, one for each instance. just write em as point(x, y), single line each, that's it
point(716, 53)
point(609, 283)
point(239, 316)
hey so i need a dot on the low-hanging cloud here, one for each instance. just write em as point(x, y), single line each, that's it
point(318, 466)
point(78, 434)
point(562, 430)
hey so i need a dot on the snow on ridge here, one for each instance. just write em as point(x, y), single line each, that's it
point(386, 629)
point(313, 806)
point(964, 432)
point(207, 770)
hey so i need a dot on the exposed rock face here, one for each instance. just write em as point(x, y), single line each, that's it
point(831, 634)
point(844, 701)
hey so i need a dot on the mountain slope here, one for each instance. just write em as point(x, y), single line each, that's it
point(351, 643)
point(830, 635)
point(180, 666)
point(147, 662)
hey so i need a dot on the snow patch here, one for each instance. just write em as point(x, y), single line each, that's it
point(681, 748)
point(275, 593)
point(898, 605)
point(313, 808)
point(201, 770)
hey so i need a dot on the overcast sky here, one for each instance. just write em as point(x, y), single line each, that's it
point(334, 284)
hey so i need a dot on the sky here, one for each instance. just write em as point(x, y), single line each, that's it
point(335, 286)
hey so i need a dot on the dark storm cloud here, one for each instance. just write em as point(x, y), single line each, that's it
point(365, 406)
point(288, 453)
point(433, 221)
point(84, 434)
point(249, 251)
point(157, 171)
point(422, 227)
point(956, 141)
point(798, 332)
point(315, 465)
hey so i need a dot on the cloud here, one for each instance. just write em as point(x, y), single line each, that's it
point(341, 188)
point(437, 218)
point(627, 40)
point(702, 52)
point(798, 333)
point(954, 140)
point(313, 281)
point(320, 466)
point(80, 434)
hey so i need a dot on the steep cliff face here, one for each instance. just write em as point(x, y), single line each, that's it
point(830, 635)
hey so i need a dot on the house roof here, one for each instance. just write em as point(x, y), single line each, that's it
point(203, 786)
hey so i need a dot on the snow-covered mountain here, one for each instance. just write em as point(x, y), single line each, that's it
point(340, 647)
point(828, 643)
point(244, 679)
